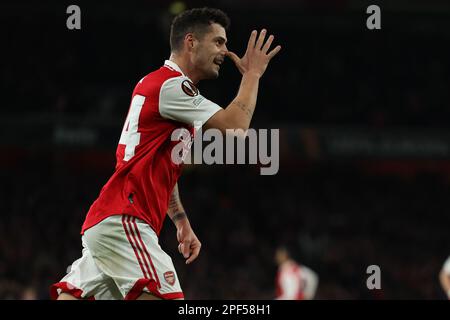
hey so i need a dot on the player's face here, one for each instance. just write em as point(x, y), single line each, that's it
point(209, 53)
point(280, 256)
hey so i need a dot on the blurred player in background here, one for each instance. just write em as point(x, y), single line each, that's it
point(294, 281)
point(121, 257)
point(444, 277)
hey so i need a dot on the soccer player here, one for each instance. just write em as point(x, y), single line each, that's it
point(121, 257)
point(444, 277)
point(294, 281)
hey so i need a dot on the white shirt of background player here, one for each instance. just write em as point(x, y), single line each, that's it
point(295, 278)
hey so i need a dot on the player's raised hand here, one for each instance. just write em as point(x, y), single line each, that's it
point(189, 245)
point(257, 55)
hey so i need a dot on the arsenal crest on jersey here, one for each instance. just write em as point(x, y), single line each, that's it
point(189, 88)
point(170, 277)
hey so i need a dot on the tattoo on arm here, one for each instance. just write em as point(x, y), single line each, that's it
point(244, 108)
point(178, 216)
point(176, 210)
point(174, 200)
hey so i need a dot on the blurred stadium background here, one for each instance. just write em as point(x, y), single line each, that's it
point(364, 129)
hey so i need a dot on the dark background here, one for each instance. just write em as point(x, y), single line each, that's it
point(364, 132)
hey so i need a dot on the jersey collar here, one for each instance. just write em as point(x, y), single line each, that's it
point(174, 66)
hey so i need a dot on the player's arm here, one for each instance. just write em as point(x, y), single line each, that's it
point(189, 245)
point(238, 114)
point(176, 211)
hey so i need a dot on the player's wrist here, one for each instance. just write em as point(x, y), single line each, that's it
point(181, 222)
point(252, 74)
point(178, 218)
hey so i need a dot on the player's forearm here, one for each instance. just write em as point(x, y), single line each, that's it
point(240, 110)
point(176, 211)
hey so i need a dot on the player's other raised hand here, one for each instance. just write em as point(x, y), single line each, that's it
point(257, 56)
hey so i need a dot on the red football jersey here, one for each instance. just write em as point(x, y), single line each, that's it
point(145, 175)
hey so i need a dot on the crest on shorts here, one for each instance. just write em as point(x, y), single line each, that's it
point(170, 277)
point(189, 88)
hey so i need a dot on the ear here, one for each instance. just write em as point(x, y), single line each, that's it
point(189, 41)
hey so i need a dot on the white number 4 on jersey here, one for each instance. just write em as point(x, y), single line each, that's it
point(130, 136)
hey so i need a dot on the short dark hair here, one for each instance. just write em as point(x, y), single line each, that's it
point(197, 21)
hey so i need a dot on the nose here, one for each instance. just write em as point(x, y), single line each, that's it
point(225, 49)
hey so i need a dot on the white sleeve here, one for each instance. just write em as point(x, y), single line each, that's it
point(446, 266)
point(181, 101)
point(311, 281)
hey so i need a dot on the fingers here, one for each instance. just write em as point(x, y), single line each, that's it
point(251, 40)
point(262, 36)
point(233, 56)
point(195, 253)
point(272, 53)
point(189, 250)
point(264, 47)
point(182, 248)
point(268, 43)
point(237, 61)
point(186, 248)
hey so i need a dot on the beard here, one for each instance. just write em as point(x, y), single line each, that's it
point(211, 73)
point(206, 66)
point(208, 69)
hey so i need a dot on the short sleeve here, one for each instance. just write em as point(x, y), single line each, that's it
point(181, 101)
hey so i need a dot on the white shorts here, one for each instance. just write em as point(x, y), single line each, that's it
point(121, 259)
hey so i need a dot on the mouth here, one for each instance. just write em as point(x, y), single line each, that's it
point(218, 61)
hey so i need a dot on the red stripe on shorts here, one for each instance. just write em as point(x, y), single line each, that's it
point(146, 252)
point(132, 245)
point(132, 231)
